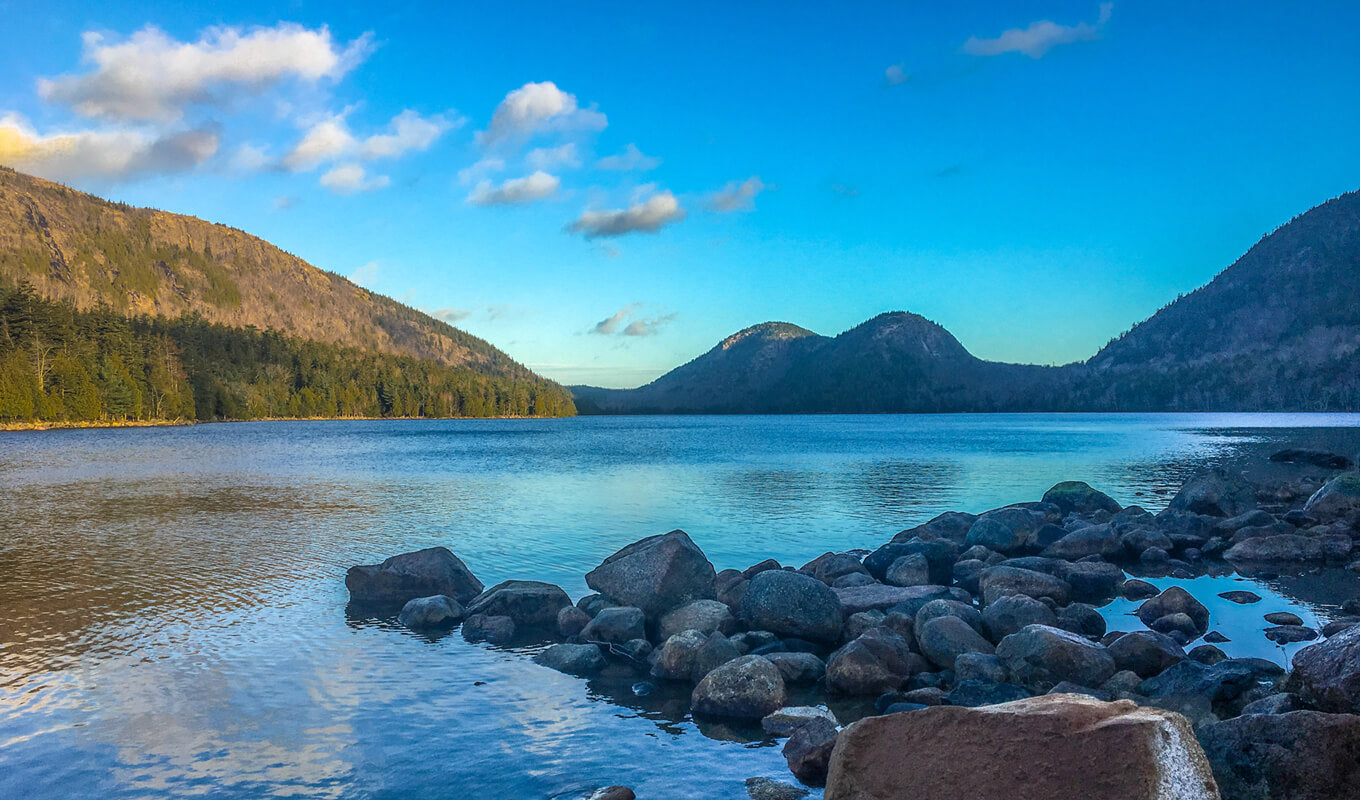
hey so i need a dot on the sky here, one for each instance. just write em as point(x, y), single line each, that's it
point(606, 191)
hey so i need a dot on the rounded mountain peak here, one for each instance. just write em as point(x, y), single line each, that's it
point(765, 332)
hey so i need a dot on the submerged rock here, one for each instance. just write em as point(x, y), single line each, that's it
point(1240, 596)
point(767, 789)
point(656, 574)
point(792, 604)
point(1044, 748)
point(423, 573)
point(748, 687)
point(439, 611)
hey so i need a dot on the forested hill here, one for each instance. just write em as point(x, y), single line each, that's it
point(88, 252)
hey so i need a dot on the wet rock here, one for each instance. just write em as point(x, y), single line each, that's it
point(1214, 637)
point(951, 526)
point(656, 574)
point(944, 639)
point(1338, 625)
point(424, 613)
point(874, 663)
point(1287, 547)
point(748, 687)
point(1327, 674)
point(493, 629)
point(1009, 614)
point(792, 604)
point(593, 604)
point(1094, 540)
point(1240, 596)
point(612, 793)
point(1338, 498)
point(1317, 458)
point(707, 616)
point(974, 692)
point(909, 570)
point(830, 566)
point(853, 579)
point(1300, 755)
point(979, 666)
point(808, 751)
point(1134, 589)
point(1004, 530)
point(1039, 657)
point(1145, 653)
point(1175, 600)
point(786, 720)
point(677, 658)
point(798, 668)
point(1082, 619)
point(571, 621)
point(616, 625)
point(637, 651)
point(1179, 626)
point(423, 573)
point(530, 604)
point(766, 789)
point(573, 659)
point(1079, 497)
point(1287, 634)
point(882, 598)
point(1001, 581)
point(1214, 493)
point(1071, 746)
point(1207, 654)
point(939, 554)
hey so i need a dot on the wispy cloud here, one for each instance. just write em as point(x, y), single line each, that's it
point(1040, 37)
point(630, 159)
point(648, 327)
point(737, 195)
point(366, 275)
point(545, 158)
point(627, 321)
point(611, 323)
point(353, 178)
point(451, 315)
point(647, 216)
point(516, 191)
point(895, 75)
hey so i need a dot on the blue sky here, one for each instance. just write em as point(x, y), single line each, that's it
point(606, 194)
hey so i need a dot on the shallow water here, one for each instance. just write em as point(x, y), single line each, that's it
point(172, 601)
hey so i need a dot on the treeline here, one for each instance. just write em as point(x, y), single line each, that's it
point(58, 364)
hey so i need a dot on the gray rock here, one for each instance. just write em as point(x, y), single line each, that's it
point(1009, 614)
point(571, 621)
point(1094, 540)
point(1214, 493)
point(950, 526)
point(1145, 653)
point(1079, 497)
point(1175, 600)
point(1082, 619)
point(853, 579)
point(1287, 634)
point(1207, 654)
point(593, 604)
point(767, 789)
point(980, 667)
point(786, 720)
point(531, 604)
point(1301, 755)
point(423, 573)
point(1092, 580)
point(656, 574)
point(830, 566)
point(1240, 596)
point(808, 751)
point(1327, 674)
point(798, 668)
point(1134, 589)
point(1004, 530)
point(701, 615)
point(1039, 657)
point(791, 604)
point(909, 570)
point(1286, 547)
point(422, 613)
point(1278, 703)
point(493, 629)
point(616, 625)
point(748, 687)
point(1001, 581)
point(946, 608)
point(713, 653)
point(944, 639)
point(940, 555)
point(1338, 498)
point(874, 663)
point(573, 659)
point(975, 692)
point(881, 597)
point(677, 658)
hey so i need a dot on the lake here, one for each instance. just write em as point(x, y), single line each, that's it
point(172, 605)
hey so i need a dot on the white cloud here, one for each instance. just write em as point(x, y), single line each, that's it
point(451, 315)
point(409, 131)
point(536, 107)
point(611, 323)
point(1040, 37)
point(895, 75)
point(516, 191)
point(480, 170)
point(647, 216)
point(250, 158)
point(366, 275)
point(630, 159)
point(326, 140)
point(648, 327)
point(151, 76)
point(331, 139)
point(737, 195)
point(351, 178)
point(102, 154)
point(553, 157)
point(284, 202)
point(636, 326)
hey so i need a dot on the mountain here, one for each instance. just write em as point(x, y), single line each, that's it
point(1277, 330)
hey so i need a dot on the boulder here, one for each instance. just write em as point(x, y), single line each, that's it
point(974, 692)
point(1079, 497)
point(1207, 654)
point(1197, 689)
point(1175, 600)
point(767, 789)
point(950, 526)
point(1081, 618)
point(1338, 498)
point(876, 662)
point(701, 615)
point(1011, 613)
point(530, 604)
point(943, 639)
point(1287, 547)
point(909, 570)
point(1300, 755)
point(1145, 653)
point(945, 608)
point(571, 621)
point(786, 720)
point(422, 613)
point(830, 566)
point(1039, 657)
point(493, 629)
point(1001, 581)
point(797, 668)
point(1327, 674)
point(979, 666)
point(792, 604)
point(1056, 747)
point(656, 574)
point(748, 687)
point(423, 573)
point(939, 554)
point(1134, 589)
point(1004, 530)
point(593, 604)
point(879, 597)
point(1214, 493)
point(808, 751)
point(677, 657)
point(1288, 634)
point(1093, 540)
point(616, 626)
point(715, 651)
point(1317, 458)
point(1241, 597)
point(573, 659)
point(853, 579)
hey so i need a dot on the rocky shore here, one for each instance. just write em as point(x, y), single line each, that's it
point(974, 645)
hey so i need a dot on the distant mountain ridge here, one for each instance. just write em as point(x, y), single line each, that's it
point(1277, 330)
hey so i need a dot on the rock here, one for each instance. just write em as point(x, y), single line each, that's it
point(573, 659)
point(1146, 653)
point(678, 657)
point(1000, 581)
point(946, 608)
point(423, 573)
point(1317, 458)
point(1214, 637)
point(853, 579)
point(1214, 493)
point(1287, 634)
point(571, 621)
point(1179, 626)
point(715, 651)
point(830, 566)
point(748, 687)
point(755, 569)
point(951, 526)
point(707, 616)
point(1286, 547)
point(909, 570)
point(1039, 657)
point(766, 789)
point(492, 629)
point(798, 668)
point(1175, 600)
point(1338, 625)
point(1093, 540)
point(939, 554)
point(1056, 747)
point(1241, 597)
point(593, 604)
point(974, 692)
point(1079, 497)
point(1011, 613)
point(439, 611)
point(612, 793)
point(1301, 755)
point(1004, 530)
point(729, 586)
point(791, 604)
point(1338, 498)
point(656, 574)
point(944, 639)
point(531, 604)
point(1140, 540)
point(808, 751)
point(616, 626)
point(1134, 589)
point(786, 720)
point(1190, 680)
point(1082, 619)
point(1278, 703)
point(1327, 674)
point(874, 663)
point(1207, 654)
point(979, 666)
point(858, 623)
point(879, 597)
point(1122, 683)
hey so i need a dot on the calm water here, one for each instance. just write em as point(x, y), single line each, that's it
point(172, 602)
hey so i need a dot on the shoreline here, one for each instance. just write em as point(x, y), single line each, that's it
point(17, 427)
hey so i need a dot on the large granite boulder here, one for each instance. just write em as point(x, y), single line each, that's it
point(1056, 747)
point(1327, 674)
point(829, 566)
point(690, 655)
point(1338, 498)
point(656, 574)
point(951, 526)
point(1004, 530)
point(1300, 755)
point(1079, 497)
point(531, 604)
point(1009, 614)
point(874, 663)
point(943, 639)
point(745, 688)
point(1001, 581)
point(878, 597)
point(701, 615)
point(1039, 657)
point(1214, 493)
point(798, 668)
point(423, 573)
point(792, 604)
point(1146, 653)
point(1174, 600)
